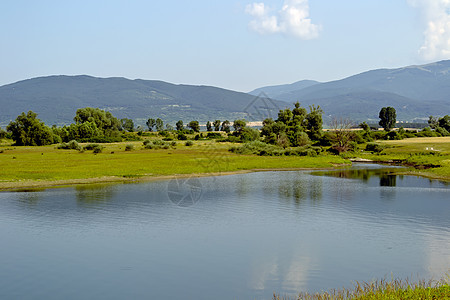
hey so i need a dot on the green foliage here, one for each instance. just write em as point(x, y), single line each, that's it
point(72, 145)
point(264, 149)
point(444, 122)
point(194, 125)
point(130, 137)
point(2, 133)
point(182, 137)
point(427, 132)
point(28, 130)
point(150, 124)
point(96, 148)
point(103, 120)
point(208, 126)
point(249, 134)
point(189, 143)
point(226, 126)
point(179, 125)
point(127, 124)
point(129, 147)
point(374, 147)
point(387, 117)
point(213, 135)
point(159, 124)
point(294, 128)
point(216, 125)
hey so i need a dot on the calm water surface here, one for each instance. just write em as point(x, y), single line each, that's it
point(245, 237)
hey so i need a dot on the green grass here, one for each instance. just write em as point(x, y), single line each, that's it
point(429, 156)
point(48, 163)
point(382, 289)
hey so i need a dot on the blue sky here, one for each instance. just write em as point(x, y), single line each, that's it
point(239, 45)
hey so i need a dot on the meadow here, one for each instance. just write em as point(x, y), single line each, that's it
point(46, 165)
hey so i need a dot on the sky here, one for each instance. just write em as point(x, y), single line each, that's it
point(238, 45)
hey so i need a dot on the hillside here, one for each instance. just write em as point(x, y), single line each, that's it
point(415, 91)
point(56, 99)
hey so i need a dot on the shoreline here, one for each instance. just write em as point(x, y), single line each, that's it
point(35, 185)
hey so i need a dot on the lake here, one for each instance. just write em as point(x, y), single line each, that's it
point(240, 236)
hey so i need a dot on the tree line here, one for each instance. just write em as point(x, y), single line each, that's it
point(292, 128)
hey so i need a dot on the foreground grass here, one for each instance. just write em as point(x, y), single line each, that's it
point(50, 164)
point(382, 289)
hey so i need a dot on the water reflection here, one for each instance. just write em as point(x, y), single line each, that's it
point(96, 194)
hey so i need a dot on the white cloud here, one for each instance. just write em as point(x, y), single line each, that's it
point(293, 19)
point(436, 14)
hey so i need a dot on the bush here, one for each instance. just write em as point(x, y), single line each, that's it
point(129, 147)
point(214, 135)
point(182, 137)
point(72, 145)
point(95, 147)
point(189, 143)
point(374, 147)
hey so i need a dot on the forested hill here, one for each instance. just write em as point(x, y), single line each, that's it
point(56, 98)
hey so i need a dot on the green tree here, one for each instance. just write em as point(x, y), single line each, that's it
point(314, 122)
point(238, 126)
point(433, 122)
point(127, 124)
point(179, 125)
point(364, 126)
point(169, 127)
point(226, 126)
point(159, 125)
point(387, 117)
point(444, 122)
point(194, 125)
point(2, 133)
point(341, 135)
point(208, 126)
point(216, 125)
point(150, 124)
point(104, 120)
point(28, 130)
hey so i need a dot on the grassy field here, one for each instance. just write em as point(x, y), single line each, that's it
point(20, 165)
point(430, 156)
point(385, 290)
point(34, 166)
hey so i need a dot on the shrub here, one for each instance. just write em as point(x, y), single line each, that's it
point(72, 145)
point(214, 135)
point(189, 143)
point(129, 147)
point(182, 137)
point(374, 147)
point(95, 147)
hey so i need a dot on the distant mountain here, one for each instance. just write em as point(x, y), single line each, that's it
point(276, 90)
point(56, 99)
point(415, 92)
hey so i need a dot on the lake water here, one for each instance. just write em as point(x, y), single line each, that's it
point(232, 237)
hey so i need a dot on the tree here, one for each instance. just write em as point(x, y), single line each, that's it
point(28, 130)
point(364, 126)
point(179, 125)
point(226, 126)
point(433, 122)
point(169, 127)
point(2, 133)
point(159, 125)
point(208, 126)
point(444, 122)
point(238, 126)
point(194, 126)
point(127, 124)
point(216, 124)
point(387, 118)
point(104, 120)
point(314, 122)
point(341, 135)
point(150, 124)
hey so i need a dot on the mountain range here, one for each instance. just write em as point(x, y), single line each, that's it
point(416, 92)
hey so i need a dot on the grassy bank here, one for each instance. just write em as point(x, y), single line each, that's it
point(34, 166)
point(382, 289)
point(20, 165)
point(429, 156)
